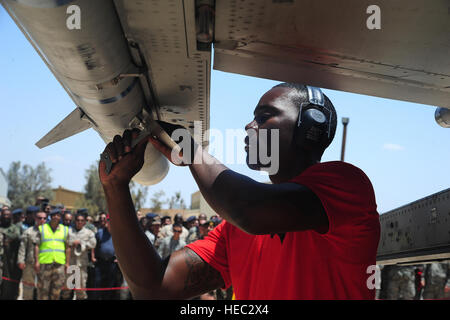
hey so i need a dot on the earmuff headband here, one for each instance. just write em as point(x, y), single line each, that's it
point(316, 98)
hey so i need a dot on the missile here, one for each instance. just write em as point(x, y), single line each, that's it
point(95, 67)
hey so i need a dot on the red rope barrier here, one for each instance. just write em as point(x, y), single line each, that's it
point(65, 288)
point(96, 289)
point(124, 288)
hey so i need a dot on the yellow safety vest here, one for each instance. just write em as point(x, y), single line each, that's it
point(53, 244)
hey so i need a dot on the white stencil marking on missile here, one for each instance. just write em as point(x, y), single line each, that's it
point(74, 20)
point(374, 20)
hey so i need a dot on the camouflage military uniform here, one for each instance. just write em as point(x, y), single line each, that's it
point(11, 240)
point(401, 284)
point(26, 256)
point(436, 275)
point(155, 240)
point(87, 242)
point(91, 267)
point(193, 235)
point(91, 227)
point(51, 277)
point(20, 226)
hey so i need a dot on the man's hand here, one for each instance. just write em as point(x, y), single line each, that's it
point(37, 267)
point(126, 161)
point(21, 266)
point(75, 243)
point(182, 137)
point(93, 256)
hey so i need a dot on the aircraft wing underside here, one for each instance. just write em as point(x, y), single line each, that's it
point(180, 75)
point(328, 44)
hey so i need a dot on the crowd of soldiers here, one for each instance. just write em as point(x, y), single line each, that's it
point(53, 253)
point(85, 265)
point(415, 282)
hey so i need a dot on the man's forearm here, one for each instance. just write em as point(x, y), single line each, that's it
point(205, 170)
point(36, 252)
point(21, 253)
point(91, 243)
point(67, 254)
point(139, 262)
point(227, 196)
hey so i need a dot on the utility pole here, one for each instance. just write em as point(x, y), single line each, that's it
point(345, 122)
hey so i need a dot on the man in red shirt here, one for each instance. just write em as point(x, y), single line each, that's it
point(312, 234)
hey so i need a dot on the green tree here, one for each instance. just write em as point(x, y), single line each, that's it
point(138, 194)
point(26, 183)
point(176, 201)
point(157, 201)
point(93, 198)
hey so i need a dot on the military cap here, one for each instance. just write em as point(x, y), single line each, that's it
point(33, 209)
point(191, 218)
point(151, 215)
point(17, 211)
point(55, 211)
point(82, 211)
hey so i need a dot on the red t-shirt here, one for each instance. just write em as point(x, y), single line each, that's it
point(306, 265)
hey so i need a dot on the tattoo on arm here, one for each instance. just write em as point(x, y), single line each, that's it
point(201, 277)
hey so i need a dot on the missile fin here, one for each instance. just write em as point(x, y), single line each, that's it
point(74, 123)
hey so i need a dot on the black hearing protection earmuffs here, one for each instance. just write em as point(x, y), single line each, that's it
point(313, 130)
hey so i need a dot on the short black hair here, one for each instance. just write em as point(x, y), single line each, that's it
point(303, 97)
point(80, 214)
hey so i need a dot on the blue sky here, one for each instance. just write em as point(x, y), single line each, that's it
point(397, 144)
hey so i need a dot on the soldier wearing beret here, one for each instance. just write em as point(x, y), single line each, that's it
point(26, 258)
point(153, 227)
point(30, 216)
point(11, 241)
point(82, 240)
point(17, 218)
point(53, 252)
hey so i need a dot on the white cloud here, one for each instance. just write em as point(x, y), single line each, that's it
point(393, 147)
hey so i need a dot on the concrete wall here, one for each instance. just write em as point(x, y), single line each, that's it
point(3, 189)
point(66, 197)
